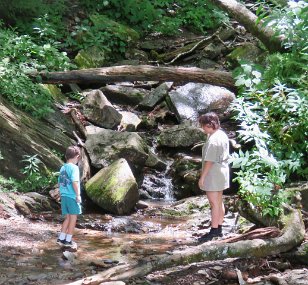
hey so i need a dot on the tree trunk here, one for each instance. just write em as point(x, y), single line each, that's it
point(292, 235)
point(139, 73)
point(249, 20)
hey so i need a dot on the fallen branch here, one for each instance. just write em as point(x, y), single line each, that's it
point(249, 20)
point(269, 232)
point(292, 235)
point(193, 48)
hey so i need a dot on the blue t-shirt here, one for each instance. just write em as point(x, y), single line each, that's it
point(69, 173)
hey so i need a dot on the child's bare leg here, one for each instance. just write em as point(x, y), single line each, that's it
point(215, 202)
point(65, 224)
point(72, 224)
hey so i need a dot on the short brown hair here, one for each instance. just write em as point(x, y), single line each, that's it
point(72, 152)
point(211, 119)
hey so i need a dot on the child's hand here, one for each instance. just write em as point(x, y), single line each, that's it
point(78, 199)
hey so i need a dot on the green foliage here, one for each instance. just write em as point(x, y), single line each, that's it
point(37, 175)
point(21, 13)
point(165, 16)
point(198, 16)
point(19, 55)
point(8, 185)
point(85, 35)
point(272, 109)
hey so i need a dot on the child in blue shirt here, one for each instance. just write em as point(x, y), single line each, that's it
point(69, 185)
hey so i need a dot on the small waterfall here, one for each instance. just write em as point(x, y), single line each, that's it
point(159, 183)
point(166, 183)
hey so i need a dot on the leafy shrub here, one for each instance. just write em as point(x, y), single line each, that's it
point(19, 55)
point(272, 109)
point(38, 177)
point(165, 16)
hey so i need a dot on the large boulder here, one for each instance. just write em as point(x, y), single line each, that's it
point(100, 111)
point(193, 99)
point(106, 146)
point(181, 136)
point(114, 188)
point(22, 135)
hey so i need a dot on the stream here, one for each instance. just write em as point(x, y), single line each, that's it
point(30, 254)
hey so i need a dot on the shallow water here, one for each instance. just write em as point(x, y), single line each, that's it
point(35, 258)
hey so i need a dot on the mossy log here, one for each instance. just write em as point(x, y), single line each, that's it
point(249, 20)
point(139, 73)
point(292, 235)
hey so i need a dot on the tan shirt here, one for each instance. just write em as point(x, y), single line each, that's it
point(216, 149)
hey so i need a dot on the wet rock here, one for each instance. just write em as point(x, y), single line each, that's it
point(193, 99)
point(155, 162)
point(141, 205)
point(70, 256)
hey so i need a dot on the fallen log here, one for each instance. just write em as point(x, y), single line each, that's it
point(249, 20)
point(292, 235)
point(138, 73)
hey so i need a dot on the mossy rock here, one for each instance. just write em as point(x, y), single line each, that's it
point(105, 24)
point(114, 188)
point(90, 58)
point(246, 52)
point(55, 93)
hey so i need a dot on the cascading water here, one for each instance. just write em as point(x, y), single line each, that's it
point(158, 184)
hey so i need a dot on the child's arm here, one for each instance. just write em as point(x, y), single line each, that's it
point(75, 185)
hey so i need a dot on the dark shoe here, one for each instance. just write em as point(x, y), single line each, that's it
point(60, 242)
point(69, 243)
point(209, 236)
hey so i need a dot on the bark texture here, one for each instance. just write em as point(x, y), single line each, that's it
point(292, 235)
point(249, 20)
point(139, 73)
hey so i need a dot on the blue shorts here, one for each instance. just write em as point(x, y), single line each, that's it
point(69, 206)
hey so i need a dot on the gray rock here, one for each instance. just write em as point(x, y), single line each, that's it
point(193, 99)
point(124, 94)
point(106, 146)
point(155, 96)
point(100, 111)
point(129, 122)
point(181, 136)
